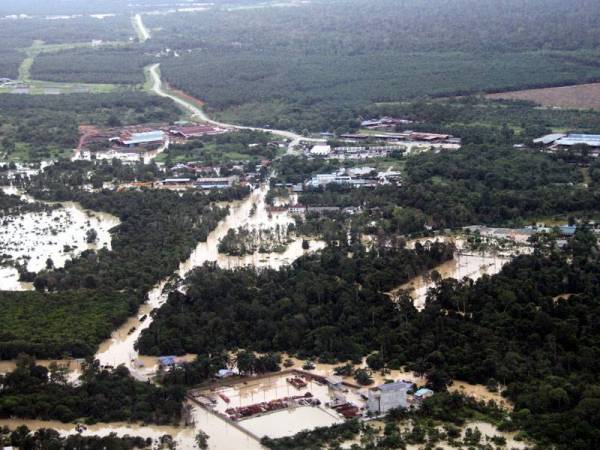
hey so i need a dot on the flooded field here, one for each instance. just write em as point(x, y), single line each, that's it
point(289, 422)
point(466, 264)
point(283, 422)
point(59, 234)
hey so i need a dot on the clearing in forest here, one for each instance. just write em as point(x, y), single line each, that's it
point(582, 96)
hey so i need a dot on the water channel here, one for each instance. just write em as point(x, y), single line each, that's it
point(251, 213)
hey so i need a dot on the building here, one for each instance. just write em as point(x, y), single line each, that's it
point(565, 141)
point(195, 131)
point(137, 139)
point(215, 183)
point(320, 150)
point(421, 395)
point(388, 396)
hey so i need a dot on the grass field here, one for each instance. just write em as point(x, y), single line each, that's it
point(582, 96)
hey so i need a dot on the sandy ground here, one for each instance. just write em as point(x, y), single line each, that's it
point(583, 96)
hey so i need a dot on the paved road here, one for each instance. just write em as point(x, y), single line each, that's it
point(142, 31)
point(157, 88)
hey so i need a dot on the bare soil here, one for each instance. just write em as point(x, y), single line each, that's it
point(582, 96)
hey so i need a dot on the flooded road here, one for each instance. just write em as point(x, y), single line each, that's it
point(59, 234)
point(119, 349)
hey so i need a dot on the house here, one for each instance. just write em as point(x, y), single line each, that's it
point(388, 396)
point(137, 139)
point(176, 181)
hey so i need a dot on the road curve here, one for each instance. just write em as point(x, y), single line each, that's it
point(157, 88)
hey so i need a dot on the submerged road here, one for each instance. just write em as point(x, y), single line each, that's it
point(157, 88)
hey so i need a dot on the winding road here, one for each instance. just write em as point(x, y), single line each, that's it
point(158, 89)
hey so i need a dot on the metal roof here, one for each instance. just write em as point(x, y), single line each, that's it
point(397, 386)
point(140, 138)
point(549, 138)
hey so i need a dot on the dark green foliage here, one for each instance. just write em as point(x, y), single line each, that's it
point(158, 230)
point(102, 396)
point(478, 121)
point(116, 66)
point(53, 325)
point(51, 439)
point(32, 127)
point(314, 308)
point(314, 65)
point(478, 184)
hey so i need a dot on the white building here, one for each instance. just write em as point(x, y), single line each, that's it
point(320, 150)
point(388, 396)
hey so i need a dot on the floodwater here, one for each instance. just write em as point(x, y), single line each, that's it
point(60, 234)
point(290, 421)
point(472, 265)
point(285, 422)
point(119, 349)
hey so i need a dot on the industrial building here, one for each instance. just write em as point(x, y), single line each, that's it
point(138, 139)
point(564, 141)
point(388, 396)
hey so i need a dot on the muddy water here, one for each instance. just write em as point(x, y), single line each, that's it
point(32, 238)
point(119, 349)
point(472, 265)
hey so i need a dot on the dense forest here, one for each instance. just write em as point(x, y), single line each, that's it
point(32, 391)
point(328, 305)
point(516, 329)
point(116, 66)
point(77, 306)
point(16, 35)
point(478, 184)
point(253, 70)
point(70, 323)
point(39, 127)
point(50, 439)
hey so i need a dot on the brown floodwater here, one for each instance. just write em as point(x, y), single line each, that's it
point(33, 237)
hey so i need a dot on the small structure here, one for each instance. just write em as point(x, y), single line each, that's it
point(320, 150)
point(225, 373)
point(167, 361)
point(195, 131)
point(335, 382)
point(420, 396)
point(388, 396)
